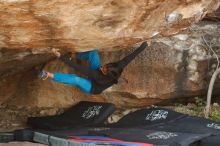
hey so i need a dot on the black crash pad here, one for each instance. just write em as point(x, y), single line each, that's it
point(151, 136)
point(189, 124)
point(160, 119)
point(82, 114)
point(148, 117)
point(210, 141)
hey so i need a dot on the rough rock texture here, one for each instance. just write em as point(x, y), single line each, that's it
point(178, 64)
point(174, 66)
point(171, 68)
point(84, 24)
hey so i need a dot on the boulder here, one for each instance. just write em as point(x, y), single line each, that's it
point(83, 25)
point(178, 63)
point(172, 68)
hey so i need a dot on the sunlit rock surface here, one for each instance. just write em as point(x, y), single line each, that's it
point(171, 68)
point(85, 24)
point(178, 63)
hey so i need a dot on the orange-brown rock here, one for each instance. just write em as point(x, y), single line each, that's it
point(174, 66)
point(171, 68)
point(82, 25)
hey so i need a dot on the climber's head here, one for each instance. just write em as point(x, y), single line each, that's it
point(111, 70)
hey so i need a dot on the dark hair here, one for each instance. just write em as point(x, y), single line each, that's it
point(113, 71)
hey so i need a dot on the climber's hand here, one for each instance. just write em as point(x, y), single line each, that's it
point(56, 52)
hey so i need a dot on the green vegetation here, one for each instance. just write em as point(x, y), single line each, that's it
point(215, 114)
point(197, 109)
point(199, 101)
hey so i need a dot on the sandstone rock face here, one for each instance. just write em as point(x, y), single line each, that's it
point(178, 63)
point(171, 68)
point(83, 25)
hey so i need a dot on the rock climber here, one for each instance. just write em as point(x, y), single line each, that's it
point(98, 78)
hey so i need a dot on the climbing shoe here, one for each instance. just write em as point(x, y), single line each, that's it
point(43, 75)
